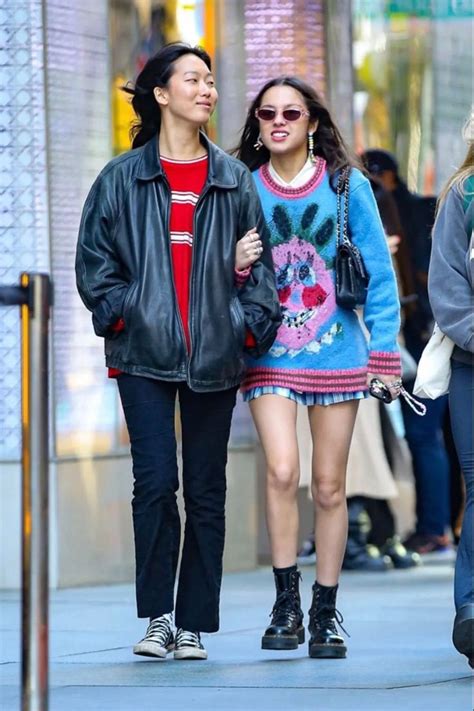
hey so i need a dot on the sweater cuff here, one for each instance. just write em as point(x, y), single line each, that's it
point(241, 275)
point(383, 363)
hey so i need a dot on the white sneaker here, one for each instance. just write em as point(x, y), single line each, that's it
point(189, 645)
point(158, 640)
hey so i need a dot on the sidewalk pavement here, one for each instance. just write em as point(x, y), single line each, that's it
point(400, 653)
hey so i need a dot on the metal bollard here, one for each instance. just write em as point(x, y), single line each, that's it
point(34, 297)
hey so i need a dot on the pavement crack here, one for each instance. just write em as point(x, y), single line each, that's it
point(91, 651)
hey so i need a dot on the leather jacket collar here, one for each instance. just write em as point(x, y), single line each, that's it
point(220, 173)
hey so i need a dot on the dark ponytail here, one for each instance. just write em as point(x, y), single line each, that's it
point(156, 73)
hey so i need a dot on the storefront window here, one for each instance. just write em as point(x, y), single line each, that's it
point(413, 70)
point(138, 29)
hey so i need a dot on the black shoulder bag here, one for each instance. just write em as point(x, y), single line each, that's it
point(351, 275)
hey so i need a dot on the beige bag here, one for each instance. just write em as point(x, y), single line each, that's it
point(434, 369)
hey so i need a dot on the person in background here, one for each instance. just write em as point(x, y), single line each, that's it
point(424, 434)
point(321, 358)
point(451, 293)
point(156, 256)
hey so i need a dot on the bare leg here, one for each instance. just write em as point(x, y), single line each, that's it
point(331, 429)
point(275, 420)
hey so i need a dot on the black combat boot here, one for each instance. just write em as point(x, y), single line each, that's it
point(325, 641)
point(286, 630)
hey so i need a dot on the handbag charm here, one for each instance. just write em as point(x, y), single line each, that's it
point(351, 275)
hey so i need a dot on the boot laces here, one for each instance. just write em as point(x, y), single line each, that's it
point(285, 604)
point(329, 617)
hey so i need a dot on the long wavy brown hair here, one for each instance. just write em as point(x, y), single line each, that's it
point(329, 143)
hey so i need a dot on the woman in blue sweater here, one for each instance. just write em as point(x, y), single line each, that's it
point(321, 357)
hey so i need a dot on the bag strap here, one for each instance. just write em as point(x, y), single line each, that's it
point(342, 231)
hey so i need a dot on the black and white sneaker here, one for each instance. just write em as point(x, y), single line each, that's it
point(158, 640)
point(189, 645)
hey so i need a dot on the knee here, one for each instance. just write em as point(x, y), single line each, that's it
point(283, 478)
point(153, 485)
point(205, 498)
point(328, 495)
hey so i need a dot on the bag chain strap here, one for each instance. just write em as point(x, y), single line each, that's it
point(343, 185)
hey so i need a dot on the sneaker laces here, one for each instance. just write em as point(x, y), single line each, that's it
point(185, 638)
point(159, 630)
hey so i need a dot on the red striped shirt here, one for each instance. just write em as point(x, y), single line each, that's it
point(186, 179)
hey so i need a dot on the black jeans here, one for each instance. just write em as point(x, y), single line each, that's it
point(149, 407)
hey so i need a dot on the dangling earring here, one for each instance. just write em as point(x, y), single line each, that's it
point(312, 157)
point(259, 143)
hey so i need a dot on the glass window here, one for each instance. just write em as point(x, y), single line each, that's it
point(413, 70)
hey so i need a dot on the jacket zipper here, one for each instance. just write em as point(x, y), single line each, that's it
point(204, 192)
point(181, 325)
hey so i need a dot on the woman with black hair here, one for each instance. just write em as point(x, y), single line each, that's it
point(159, 242)
point(320, 357)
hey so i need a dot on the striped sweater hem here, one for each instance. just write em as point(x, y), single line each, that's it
point(306, 381)
point(324, 381)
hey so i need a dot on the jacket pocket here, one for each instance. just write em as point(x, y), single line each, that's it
point(128, 302)
point(238, 321)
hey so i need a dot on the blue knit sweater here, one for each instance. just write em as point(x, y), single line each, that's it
point(321, 347)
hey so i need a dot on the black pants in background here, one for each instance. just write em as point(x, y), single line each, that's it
point(149, 407)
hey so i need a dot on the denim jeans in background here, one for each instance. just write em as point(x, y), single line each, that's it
point(149, 408)
point(430, 464)
point(461, 403)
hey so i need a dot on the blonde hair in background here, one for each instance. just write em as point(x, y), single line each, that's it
point(465, 170)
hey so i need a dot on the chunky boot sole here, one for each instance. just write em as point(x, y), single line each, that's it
point(327, 651)
point(276, 641)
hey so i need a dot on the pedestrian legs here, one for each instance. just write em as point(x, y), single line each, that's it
point(149, 408)
point(461, 400)
point(431, 466)
point(206, 420)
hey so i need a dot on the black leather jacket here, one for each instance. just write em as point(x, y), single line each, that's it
point(124, 270)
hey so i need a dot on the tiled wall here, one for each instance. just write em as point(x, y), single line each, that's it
point(79, 145)
point(23, 189)
point(284, 38)
point(54, 139)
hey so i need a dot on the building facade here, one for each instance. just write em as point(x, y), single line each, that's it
point(63, 118)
